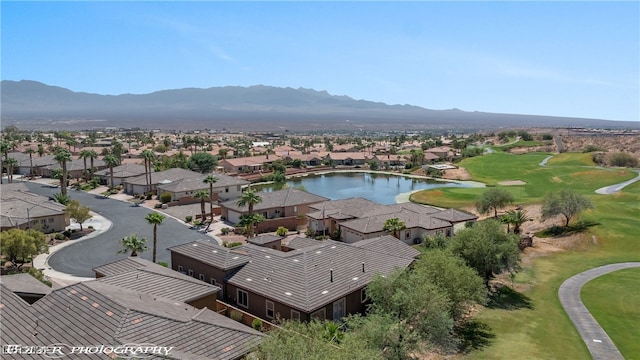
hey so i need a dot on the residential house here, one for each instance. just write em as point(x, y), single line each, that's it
point(24, 163)
point(348, 158)
point(279, 208)
point(95, 313)
point(267, 241)
point(120, 173)
point(24, 210)
point(138, 184)
point(357, 219)
point(226, 188)
point(326, 280)
point(247, 164)
point(75, 168)
point(25, 286)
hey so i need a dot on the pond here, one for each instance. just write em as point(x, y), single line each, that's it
point(379, 187)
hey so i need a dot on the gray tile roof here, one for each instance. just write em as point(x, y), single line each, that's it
point(25, 284)
point(93, 313)
point(161, 176)
point(455, 215)
point(123, 171)
point(389, 245)
point(15, 205)
point(351, 207)
point(75, 164)
point(264, 239)
point(154, 279)
point(276, 199)
point(212, 254)
point(196, 183)
point(301, 242)
point(302, 278)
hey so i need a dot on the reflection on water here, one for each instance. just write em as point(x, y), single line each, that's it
point(381, 188)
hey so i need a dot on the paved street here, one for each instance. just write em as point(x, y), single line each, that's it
point(596, 339)
point(78, 259)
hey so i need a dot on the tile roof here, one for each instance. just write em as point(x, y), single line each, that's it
point(279, 198)
point(154, 279)
point(123, 171)
point(264, 239)
point(455, 215)
point(301, 242)
point(196, 183)
point(93, 312)
point(20, 207)
point(160, 176)
point(24, 283)
point(388, 245)
point(212, 254)
point(251, 161)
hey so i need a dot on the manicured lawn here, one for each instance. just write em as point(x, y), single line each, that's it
point(544, 331)
point(620, 317)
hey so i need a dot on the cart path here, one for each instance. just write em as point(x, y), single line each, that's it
point(596, 339)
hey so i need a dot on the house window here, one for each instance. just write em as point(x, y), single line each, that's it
point(407, 235)
point(181, 269)
point(338, 310)
point(213, 282)
point(270, 311)
point(190, 272)
point(226, 190)
point(243, 298)
point(448, 232)
point(295, 315)
point(319, 314)
point(363, 295)
point(51, 220)
point(201, 277)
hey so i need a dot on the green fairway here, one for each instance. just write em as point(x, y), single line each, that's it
point(620, 317)
point(544, 331)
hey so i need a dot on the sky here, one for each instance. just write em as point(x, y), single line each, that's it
point(576, 59)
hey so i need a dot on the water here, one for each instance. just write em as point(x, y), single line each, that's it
point(381, 188)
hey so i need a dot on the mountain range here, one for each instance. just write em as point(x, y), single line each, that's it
point(34, 105)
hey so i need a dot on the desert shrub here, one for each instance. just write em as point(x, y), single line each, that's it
point(225, 231)
point(165, 197)
point(282, 231)
point(599, 158)
point(235, 315)
point(233, 244)
point(623, 160)
point(257, 324)
point(59, 236)
point(149, 195)
point(188, 218)
point(547, 137)
point(592, 148)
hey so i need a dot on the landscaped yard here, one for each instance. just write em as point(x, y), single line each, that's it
point(544, 331)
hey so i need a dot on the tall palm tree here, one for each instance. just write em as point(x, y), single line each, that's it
point(394, 226)
point(62, 157)
point(202, 195)
point(10, 163)
point(249, 198)
point(91, 154)
point(30, 151)
point(134, 244)
point(111, 161)
point(84, 154)
point(210, 179)
point(148, 156)
point(155, 219)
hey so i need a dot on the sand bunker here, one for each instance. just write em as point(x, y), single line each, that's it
point(512, 182)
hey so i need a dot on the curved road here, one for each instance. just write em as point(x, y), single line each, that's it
point(596, 339)
point(78, 259)
point(617, 187)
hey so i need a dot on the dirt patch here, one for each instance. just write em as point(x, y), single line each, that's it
point(456, 174)
point(512, 183)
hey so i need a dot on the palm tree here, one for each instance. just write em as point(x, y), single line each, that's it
point(223, 153)
point(84, 154)
point(148, 157)
point(202, 195)
point(91, 154)
point(111, 161)
point(62, 157)
point(10, 163)
point(249, 198)
point(249, 221)
point(30, 151)
point(394, 226)
point(210, 179)
point(517, 218)
point(155, 219)
point(134, 244)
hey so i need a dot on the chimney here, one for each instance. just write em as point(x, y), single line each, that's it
point(331, 273)
point(363, 267)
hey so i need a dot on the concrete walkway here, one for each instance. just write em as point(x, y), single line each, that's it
point(596, 339)
point(607, 190)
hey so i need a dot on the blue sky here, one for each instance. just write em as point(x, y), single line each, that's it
point(578, 59)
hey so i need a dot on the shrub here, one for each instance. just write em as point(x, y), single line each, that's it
point(257, 324)
point(149, 195)
point(162, 263)
point(66, 233)
point(90, 227)
point(282, 231)
point(623, 160)
point(235, 315)
point(233, 244)
point(188, 218)
point(592, 148)
point(165, 197)
point(225, 231)
point(59, 236)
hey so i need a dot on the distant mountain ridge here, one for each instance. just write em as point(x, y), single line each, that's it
point(33, 104)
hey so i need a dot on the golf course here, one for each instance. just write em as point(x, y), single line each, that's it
point(529, 322)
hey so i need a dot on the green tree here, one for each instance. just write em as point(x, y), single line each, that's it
point(78, 212)
point(202, 195)
point(11, 164)
point(155, 219)
point(566, 203)
point(282, 231)
point(111, 161)
point(223, 153)
point(133, 244)
point(61, 198)
point(487, 248)
point(30, 151)
point(515, 218)
point(249, 221)
point(84, 155)
point(19, 246)
point(493, 199)
point(394, 226)
point(249, 198)
point(63, 156)
point(149, 157)
point(202, 162)
point(210, 179)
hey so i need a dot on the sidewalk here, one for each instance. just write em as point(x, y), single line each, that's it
point(99, 223)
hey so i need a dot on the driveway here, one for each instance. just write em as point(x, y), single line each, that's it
point(596, 339)
point(79, 258)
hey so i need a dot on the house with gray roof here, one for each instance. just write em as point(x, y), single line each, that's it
point(279, 208)
point(25, 286)
point(120, 173)
point(326, 280)
point(75, 167)
point(358, 219)
point(96, 313)
point(24, 210)
point(226, 188)
point(138, 184)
